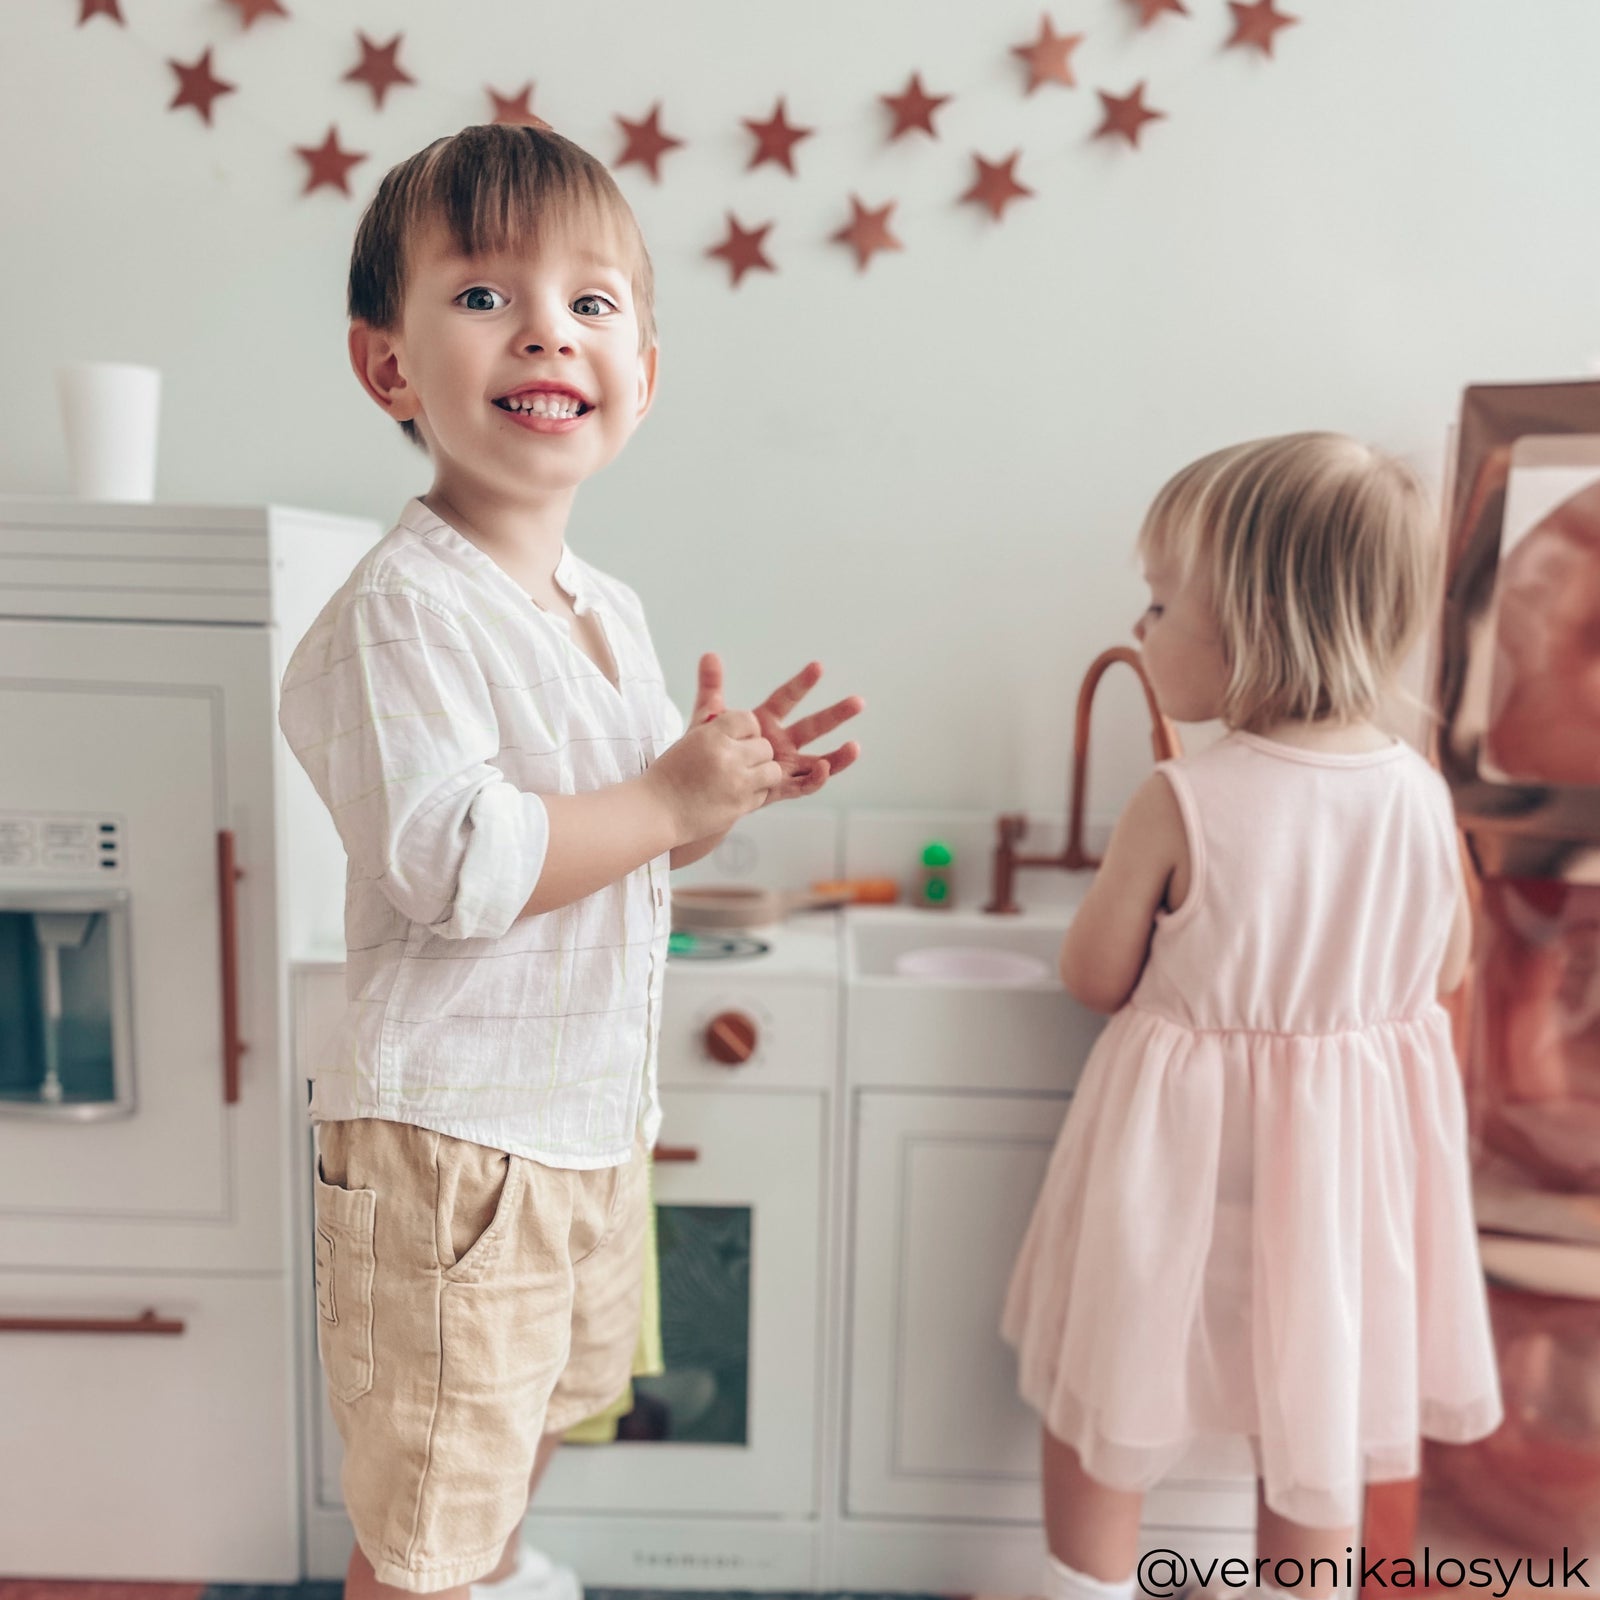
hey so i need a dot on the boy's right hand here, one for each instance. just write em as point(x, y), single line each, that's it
point(715, 774)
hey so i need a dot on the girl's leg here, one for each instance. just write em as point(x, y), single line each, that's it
point(1280, 1540)
point(1089, 1528)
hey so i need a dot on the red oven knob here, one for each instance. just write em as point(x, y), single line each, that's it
point(731, 1038)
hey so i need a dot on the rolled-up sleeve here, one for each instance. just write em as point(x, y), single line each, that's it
point(389, 712)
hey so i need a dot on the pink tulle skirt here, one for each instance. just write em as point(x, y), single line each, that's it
point(1259, 1234)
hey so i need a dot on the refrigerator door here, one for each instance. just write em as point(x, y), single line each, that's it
point(133, 1131)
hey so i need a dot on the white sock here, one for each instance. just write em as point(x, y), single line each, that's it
point(529, 1565)
point(1062, 1583)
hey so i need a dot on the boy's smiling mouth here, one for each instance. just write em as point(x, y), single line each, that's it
point(545, 406)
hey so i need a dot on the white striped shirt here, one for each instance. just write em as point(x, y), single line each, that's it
point(432, 703)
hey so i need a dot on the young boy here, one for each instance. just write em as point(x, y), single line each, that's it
point(484, 716)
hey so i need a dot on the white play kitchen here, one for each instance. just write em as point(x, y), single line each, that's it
point(848, 1159)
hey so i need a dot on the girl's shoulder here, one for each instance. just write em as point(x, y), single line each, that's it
point(1243, 780)
point(1254, 754)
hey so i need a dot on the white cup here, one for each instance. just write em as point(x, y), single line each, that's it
point(110, 411)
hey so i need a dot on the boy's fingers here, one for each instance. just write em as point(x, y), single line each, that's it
point(821, 722)
point(841, 758)
point(708, 688)
point(788, 695)
point(710, 674)
point(803, 780)
point(813, 780)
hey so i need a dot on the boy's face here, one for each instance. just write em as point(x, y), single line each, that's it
point(522, 370)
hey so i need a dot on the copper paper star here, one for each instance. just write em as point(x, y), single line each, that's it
point(1049, 56)
point(742, 249)
point(1125, 115)
point(996, 185)
point(776, 139)
point(198, 87)
point(1257, 24)
point(517, 109)
point(251, 10)
point(913, 108)
point(327, 163)
point(101, 8)
point(1149, 10)
point(867, 232)
point(379, 69)
point(646, 142)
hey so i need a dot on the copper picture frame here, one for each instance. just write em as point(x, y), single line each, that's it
point(1520, 800)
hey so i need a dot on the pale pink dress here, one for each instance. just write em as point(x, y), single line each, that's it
point(1257, 1219)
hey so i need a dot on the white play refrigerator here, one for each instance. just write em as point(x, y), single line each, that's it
point(152, 883)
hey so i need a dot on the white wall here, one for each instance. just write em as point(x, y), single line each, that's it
point(928, 476)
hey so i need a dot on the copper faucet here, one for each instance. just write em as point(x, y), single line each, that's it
point(1011, 827)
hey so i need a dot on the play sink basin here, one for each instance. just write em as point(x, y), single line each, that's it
point(960, 999)
point(933, 947)
point(964, 964)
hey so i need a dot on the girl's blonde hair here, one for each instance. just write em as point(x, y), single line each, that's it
point(1319, 557)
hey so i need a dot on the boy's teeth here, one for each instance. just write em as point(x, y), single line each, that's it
point(542, 405)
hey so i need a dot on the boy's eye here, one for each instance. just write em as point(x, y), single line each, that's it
point(469, 294)
point(593, 305)
point(1153, 610)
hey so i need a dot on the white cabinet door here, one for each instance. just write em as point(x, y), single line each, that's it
point(164, 731)
point(944, 1187)
point(164, 1454)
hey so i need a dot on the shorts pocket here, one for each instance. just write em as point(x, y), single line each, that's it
point(466, 1198)
point(346, 1265)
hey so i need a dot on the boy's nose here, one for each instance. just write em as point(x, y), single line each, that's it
point(1138, 628)
point(546, 328)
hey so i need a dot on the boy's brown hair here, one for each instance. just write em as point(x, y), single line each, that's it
point(490, 187)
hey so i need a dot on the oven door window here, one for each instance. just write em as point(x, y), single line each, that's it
point(703, 1396)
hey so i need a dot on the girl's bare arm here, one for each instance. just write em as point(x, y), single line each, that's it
point(1105, 948)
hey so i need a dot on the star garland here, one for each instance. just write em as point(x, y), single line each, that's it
point(742, 249)
point(516, 110)
point(867, 232)
point(1047, 60)
point(378, 68)
point(198, 86)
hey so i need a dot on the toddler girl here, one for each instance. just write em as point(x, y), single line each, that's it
point(1257, 1219)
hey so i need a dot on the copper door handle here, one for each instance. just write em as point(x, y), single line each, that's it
point(145, 1322)
point(233, 1047)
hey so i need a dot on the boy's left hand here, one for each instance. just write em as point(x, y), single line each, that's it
point(802, 774)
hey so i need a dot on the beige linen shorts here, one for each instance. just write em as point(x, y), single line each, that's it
point(468, 1301)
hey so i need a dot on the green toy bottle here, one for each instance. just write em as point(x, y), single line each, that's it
point(936, 891)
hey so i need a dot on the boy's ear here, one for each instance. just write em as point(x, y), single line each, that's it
point(375, 361)
point(649, 361)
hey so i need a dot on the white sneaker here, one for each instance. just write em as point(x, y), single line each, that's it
point(535, 1577)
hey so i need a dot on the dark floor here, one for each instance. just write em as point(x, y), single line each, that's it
point(41, 1589)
